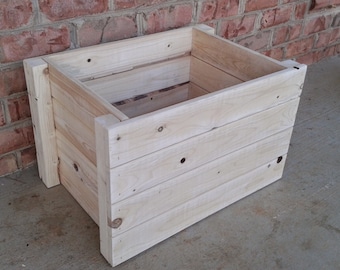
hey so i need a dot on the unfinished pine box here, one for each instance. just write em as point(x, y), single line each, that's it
point(155, 133)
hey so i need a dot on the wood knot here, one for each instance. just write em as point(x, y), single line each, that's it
point(116, 223)
point(46, 71)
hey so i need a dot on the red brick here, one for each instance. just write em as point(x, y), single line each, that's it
point(216, 9)
point(2, 115)
point(300, 11)
point(286, 33)
point(120, 28)
point(29, 44)
point(94, 32)
point(256, 42)
point(60, 9)
point(123, 4)
point(12, 81)
point(299, 47)
point(168, 18)
point(327, 38)
point(28, 157)
point(237, 27)
point(323, 4)
point(8, 164)
point(310, 58)
point(15, 13)
point(260, 4)
point(317, 25)
point(276, 53)
point(19, 108)
point(276, 16)
point(14, 139)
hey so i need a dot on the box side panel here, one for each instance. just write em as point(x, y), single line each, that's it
point(232, 58)
point(133, 177)
point(163, 197)
point(143, 135)
point(140, 238)
point(110, 58)
point(74, 111)
point(142, 80)
point(39, 93)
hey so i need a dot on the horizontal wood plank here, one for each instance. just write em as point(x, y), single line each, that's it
point(157, 167)
point(155, 101)
point(209, 77)
point(142, 135)
point(140, 238)
point(119, 56)
point(232, 58)
point(74, 130)
point(142, 80)
point(176, 191)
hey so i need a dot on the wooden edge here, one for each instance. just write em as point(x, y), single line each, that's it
point(102, 126)
point(205, 28)
point(39, 93)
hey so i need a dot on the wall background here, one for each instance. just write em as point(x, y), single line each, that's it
point(305, 30)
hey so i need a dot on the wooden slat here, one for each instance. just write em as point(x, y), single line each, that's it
point(232, 58)
point(209, 77)
point(140, 238)
point(39, 93)
point(196, 91)
point(104, 184)
point(157, 167)
point(142, 135)
point(142, 80)
point(155, 101)
point(74, 130)
point(79, 99)
point(83, 195)
point(85, 169)
point(149, 204)
point(106, 59)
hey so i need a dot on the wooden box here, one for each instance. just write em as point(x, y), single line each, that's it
point(155, 133)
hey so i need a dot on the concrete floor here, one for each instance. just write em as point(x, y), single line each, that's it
point(292, 224)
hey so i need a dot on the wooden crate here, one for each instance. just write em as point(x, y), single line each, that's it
point(155, 133)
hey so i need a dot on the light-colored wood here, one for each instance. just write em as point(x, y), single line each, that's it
point(158, 100)
point(133, 177)
point(195, 91)
point(209, 77)
point(104, 184)
point(164, 196)
point(232, 58)
point(74, 130)
point(140, 238)
point(205, 28)
point(85, 169)
point(78, 97)
point(145, 134)
point(39, 94)
point(142, 80)
point(119, 56)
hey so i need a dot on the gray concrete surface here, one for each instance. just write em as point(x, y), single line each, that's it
point(292, 224)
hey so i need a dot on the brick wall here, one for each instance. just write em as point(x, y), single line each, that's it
point(306, 30)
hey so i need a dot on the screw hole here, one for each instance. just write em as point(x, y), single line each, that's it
point(183, 160)
point(279, 159)
point(160, 129)
point(75, 166)
point(89, 60)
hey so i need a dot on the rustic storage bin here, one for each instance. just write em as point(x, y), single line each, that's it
point(155, 133)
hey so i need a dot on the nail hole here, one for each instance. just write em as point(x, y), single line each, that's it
point(160, 129)
point(118, 138)
point(279, 159)
point(183, 160)
point(296, 68)
point(75, 166)
point(89, 60)
point(277, 96)
point(168, 45)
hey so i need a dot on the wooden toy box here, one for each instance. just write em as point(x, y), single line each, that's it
point(155, 133)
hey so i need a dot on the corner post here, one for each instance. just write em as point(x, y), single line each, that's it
point(39, 94)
